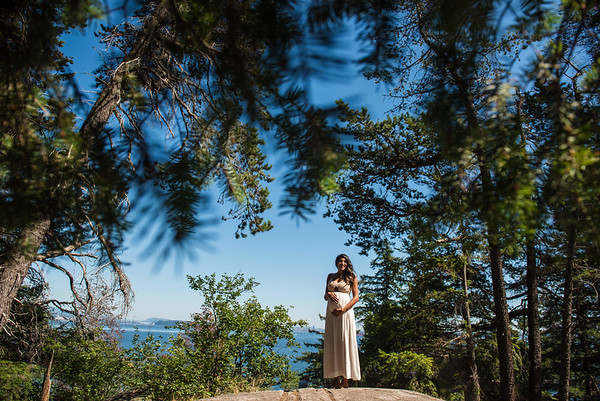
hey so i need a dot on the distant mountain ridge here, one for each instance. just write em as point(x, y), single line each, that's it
point(158, 321)
point(152, 321)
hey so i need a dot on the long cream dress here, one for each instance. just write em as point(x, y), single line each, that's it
point(340, 350)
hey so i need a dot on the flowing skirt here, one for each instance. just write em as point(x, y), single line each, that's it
point(340, 350)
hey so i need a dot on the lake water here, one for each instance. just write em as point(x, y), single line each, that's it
point(162, 333)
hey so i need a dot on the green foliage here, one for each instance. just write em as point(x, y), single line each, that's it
point(214, 80)
point(289, 380)
point(199, 94)
point(314, 359)
point(166, 371)
point(242, 338)
point(481, 152)
point(409, 370)
point(585, 321)
point(88, 366)
point(20, 381)
point(231, 346)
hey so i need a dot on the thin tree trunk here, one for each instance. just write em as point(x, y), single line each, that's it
point(47, 382)
point(503, 332)
point(15, 263)
point(473, 389)
point(533, 323)
point(585, 344)
point(566, 337)
point(508, 391)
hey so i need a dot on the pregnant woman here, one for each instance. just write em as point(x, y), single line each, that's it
point(340, 351)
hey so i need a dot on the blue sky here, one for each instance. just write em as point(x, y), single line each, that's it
point(290, 262)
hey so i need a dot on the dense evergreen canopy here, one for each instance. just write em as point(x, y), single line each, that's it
point(479, 191)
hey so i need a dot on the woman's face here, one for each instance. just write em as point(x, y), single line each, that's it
point(342, 264)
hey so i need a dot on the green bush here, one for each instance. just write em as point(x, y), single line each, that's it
point(229, 346)
point(20, 381)
point(409, 370)
point(87, 367)
point(241, 339)
point(165, 371)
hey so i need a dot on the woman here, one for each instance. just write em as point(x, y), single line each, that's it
point(340, 351)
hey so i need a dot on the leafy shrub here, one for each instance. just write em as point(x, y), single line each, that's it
point(87, 367)
point(20, 381)
point(164, 371)
point(229, 346)
point(314, 359)
point(409, 370)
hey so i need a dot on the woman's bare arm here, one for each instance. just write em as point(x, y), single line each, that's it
point(330, 294)
point(354, 296)
point(341, 311)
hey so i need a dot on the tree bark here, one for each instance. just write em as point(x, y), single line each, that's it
point(15, 263)
point(503, 332)
point(47, 382)
point(567, 320)
point(473, 389)
point(508, 391)
point(533, 322)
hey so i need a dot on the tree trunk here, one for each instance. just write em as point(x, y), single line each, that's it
point(503, 332)
point(473, 389)
point(490, 215)
point(586, 344)
point(15, 263)
point(566, 337)
point(47, 382)
point(533, 323)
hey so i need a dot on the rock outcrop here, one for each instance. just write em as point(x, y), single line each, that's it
point(312, 394)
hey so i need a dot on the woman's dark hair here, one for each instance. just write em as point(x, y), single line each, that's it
point(348, 275)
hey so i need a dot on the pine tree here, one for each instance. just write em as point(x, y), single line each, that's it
point(188, 93)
